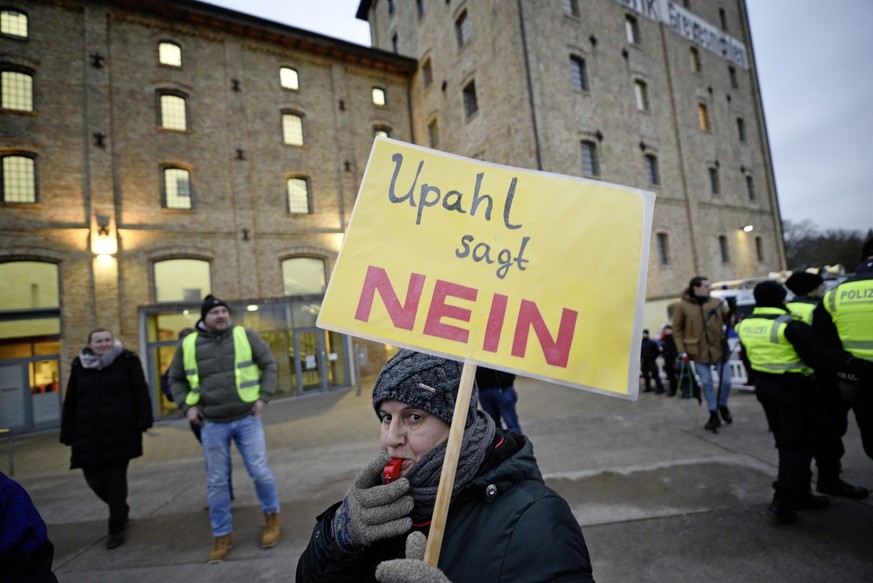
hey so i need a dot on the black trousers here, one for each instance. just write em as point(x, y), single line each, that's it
point(789, 404)
point(650, 370)
point(109, 482)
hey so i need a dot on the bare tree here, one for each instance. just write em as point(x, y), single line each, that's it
point(806, 246)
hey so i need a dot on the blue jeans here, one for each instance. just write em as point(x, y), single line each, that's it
point(248, 433)
point(501, 404)
point(723, 371)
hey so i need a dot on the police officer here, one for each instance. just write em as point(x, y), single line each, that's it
point(843, 325)
point(780, 349)
point(831, 409)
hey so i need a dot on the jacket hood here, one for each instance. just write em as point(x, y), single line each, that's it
point(519, 466)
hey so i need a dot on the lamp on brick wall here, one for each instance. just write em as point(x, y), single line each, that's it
point(103, 241)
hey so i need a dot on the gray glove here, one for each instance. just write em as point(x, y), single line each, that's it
point(372, 511)
point(412, 569)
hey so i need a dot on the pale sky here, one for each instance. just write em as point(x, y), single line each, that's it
point(815, 64)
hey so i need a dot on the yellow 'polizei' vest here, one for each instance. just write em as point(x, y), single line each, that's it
point(801, 311)
point(246, 372)
point(766, 346)
point(850, 305)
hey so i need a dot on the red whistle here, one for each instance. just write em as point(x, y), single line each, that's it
point(392, 470)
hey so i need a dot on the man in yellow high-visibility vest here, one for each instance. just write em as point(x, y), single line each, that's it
point(222, 376)
point(843, 326)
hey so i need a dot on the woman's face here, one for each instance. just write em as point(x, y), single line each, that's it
point(101, 342)
point(409, 433)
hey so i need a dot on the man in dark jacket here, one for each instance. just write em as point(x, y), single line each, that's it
point(224, 375)
point(669, 353)
point(501, 512)
point(649, 353)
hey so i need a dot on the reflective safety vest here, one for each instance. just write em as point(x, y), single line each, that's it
point(801, 311)
point(850, 305)
point(246, 372)
point(766, 346)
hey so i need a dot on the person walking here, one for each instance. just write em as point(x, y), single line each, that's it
point(781, 352)
point(649, 353)
point(106, 409)
point(669, 354)
point(498, 397)
point(222, 378)
point(700, 324)
point(501, 511)
point(831, 420)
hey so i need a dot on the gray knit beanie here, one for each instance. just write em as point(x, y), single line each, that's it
point(429, 383)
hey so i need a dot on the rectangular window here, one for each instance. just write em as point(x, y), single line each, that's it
point(19, 179)
point(732, 73)
point(177, 188)
point(663, 248)
point(578, 74)
point(173, 114)
point(759, 248)
point(641, 92)
point(695, 59)
point(714, 187)
point(722, 18)
point(395, 43)
point(288, 78)
point(703, 117)
point(631, 29)
point(571, 7)
point(590, 164)
point(378, 95)
point(427, 73)
point(462, 29)
point(13, 22)
point(292, 129)
point(170, 54)
point(471, 104)
point(723, 248)
point(17, 91)
point(433, 134)
point(421, 7)
point(750, 187)
point(298, 196)
point(741, 129)
point(391, 7)
point(652, 169)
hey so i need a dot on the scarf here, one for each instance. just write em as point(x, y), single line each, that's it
point(424, 477)
point(91, 360)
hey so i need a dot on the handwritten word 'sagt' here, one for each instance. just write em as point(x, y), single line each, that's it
point(453, 200)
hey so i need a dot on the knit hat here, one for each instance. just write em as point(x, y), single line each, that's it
point(426, 382)
point(210, 302)
point(770, 294)
point(867, 249)
point(801, 282)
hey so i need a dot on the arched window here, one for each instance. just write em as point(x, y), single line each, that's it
point(303, 275)
point(174, 114)
point(292, 129)
point(288, 78)
point(182, 280)
point(17, 90)
point(13, 22)
point(18, 178)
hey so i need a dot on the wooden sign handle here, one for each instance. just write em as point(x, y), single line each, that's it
point(450, 467)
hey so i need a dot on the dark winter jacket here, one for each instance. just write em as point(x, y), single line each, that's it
point(649, 350)
point(507, 526)
point(219, 399)
point(105, 411)
point(668, 349)
point(25, 551)
point(488, 378)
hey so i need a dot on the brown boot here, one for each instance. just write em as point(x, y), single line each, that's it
point(272, 531)
point(220, 548)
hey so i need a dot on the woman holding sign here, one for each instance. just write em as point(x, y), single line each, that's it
point(504, 523)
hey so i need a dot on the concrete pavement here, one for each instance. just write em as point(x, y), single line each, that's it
point(658, 498)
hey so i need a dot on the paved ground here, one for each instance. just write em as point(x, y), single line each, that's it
point(658, 498)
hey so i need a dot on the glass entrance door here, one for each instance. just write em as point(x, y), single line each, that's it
point(309, 355)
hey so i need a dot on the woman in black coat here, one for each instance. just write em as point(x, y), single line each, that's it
point(106, 409)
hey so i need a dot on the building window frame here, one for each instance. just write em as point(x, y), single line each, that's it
point(641, 95)
point(732, 76)
point(433, 134)
point(750, 188)
point(421, 7)
point(714, 182)
point(293, 128)
point(173, 111)
point(578, 73)
point(724, 249)
point(379, 96)
point(463, 30)
point(170, 54)
point(632, 29)
point(18, 178)
point(382, 130)
point(694, 54)
point(571, 8)
point(662, 240)
point(590, 159)
point(289, 78)
point(471, 100)
point(176, 195)
point(759, 248)
point(741, 129)
point(703, 120)
point(298, 193)
point(426, 72)
point(17, 89)
point(187, 270)
point(14, 23)
point(653, 173)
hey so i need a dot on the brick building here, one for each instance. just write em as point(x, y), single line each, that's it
point(154, 151)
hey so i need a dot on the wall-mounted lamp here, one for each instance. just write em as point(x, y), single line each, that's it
point(749, 228)
point(102, 225)
point(103, 242)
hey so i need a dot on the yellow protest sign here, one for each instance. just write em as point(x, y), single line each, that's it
point(536, 273)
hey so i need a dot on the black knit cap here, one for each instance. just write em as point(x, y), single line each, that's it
point(770, 294)
point(426, 382)
point(801, 282)
point(210, 302)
